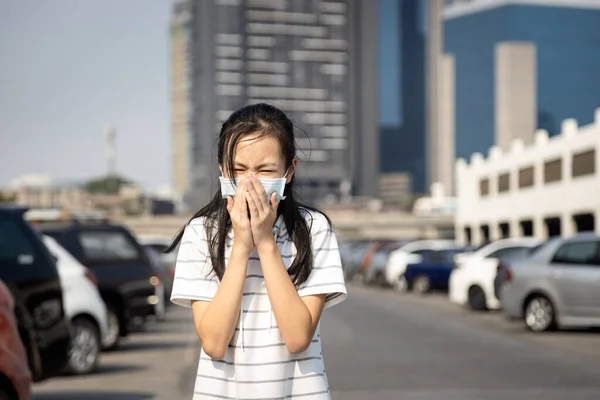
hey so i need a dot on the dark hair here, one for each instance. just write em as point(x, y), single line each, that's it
point(266, 120)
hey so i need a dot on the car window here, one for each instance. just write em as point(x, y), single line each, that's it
point(15, 246)
point(108, 246)
point(424, 253)
point(510, 252)
point(579, 253)
point(18, 253)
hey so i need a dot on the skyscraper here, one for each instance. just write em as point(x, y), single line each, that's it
point(538, 55)
point(180, 96)
point(294, 55)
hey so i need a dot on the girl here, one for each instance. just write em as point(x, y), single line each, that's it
point(257, 269)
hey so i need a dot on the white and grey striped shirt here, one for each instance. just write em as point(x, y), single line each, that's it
point(257, 364)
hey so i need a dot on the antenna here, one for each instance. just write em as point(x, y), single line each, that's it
point(111, 150)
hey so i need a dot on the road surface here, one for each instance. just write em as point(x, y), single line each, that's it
point(377, 345)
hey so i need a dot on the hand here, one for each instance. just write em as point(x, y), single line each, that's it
point(263, 212)
point(238, 211)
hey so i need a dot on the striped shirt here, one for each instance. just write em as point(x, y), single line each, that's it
point(257, 364)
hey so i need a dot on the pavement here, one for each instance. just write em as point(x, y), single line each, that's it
point(377, 345)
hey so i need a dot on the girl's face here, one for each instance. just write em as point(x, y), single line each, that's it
point(260, 155)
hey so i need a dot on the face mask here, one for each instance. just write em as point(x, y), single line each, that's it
point(276, 185)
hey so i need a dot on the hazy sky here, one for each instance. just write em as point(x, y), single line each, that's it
point(68, 69)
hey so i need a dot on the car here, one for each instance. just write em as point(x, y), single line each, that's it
point(557, 286)
point(432, 273)
point(124, 273)
point(85, 309)
point(472, 281)
point(164, 284)
point(15, 377)
point(29, 271)
point(412, 253)
point(374, 273)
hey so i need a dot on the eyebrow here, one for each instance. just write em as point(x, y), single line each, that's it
point(263, 165)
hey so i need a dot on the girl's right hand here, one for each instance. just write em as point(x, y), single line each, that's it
point(238, 211)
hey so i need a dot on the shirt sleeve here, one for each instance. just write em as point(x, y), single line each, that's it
point(327, 275)
point(194, 278)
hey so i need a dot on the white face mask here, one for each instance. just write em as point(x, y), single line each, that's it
point(271, 185)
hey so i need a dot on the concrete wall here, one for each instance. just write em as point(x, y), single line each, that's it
point(560, 199)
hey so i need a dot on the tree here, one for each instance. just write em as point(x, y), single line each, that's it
point(7, 198)
point(107, 184)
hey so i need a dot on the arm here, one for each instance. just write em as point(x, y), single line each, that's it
point(297, 313)
point(215, 320)
point(297, 317)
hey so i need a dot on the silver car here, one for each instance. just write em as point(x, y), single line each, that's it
point(557, 286)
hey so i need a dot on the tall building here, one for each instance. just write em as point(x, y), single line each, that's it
point(180, 96)
point(297, 56)
point(521, 65)
point(403, 32)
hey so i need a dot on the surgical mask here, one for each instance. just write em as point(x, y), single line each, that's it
point(271, 185)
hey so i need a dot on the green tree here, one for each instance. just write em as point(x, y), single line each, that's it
point(107, 184)
point(7, 198)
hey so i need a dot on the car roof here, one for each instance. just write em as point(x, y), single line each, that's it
point(12, 208)
point(72, 225)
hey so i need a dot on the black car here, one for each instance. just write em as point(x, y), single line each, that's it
point(124, 273)
point(29, 271)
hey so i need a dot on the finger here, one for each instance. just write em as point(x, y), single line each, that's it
point(240, 202)
point(252, 206)
point(259, 200)
point(274, 202)
point(258, 193)
point(229, 204)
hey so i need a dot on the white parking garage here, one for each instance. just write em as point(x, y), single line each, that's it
point(547, 188)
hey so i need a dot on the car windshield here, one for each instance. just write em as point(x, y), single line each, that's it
point(108, 246)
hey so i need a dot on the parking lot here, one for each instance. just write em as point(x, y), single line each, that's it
point(378, 344)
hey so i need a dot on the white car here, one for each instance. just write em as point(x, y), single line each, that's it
point(83, 306)
point(412, 253)
point(472, 281)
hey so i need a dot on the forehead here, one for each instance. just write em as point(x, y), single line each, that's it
point(256, 148)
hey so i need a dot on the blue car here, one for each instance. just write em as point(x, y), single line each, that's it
point(432, 273)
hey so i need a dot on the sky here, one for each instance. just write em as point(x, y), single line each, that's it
point(71, 68)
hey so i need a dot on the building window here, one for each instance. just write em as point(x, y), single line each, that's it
point(526, 177)
point(584, 163)
point(484, 187)
point(553, 171)
point(504, 183)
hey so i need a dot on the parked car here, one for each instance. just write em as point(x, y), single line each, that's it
point(353, 258)
point(412, 253)
point(432, 273)
point(124, 273)
point(85, 309)
point(472, 281)
point(374, 274)
point(558, 286)
point(15, 377)
point(164, 285)
point(509, 259)
point(29, 271)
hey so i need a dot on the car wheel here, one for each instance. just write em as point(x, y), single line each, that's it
point(539, 314)
point(421, 284)
point(111, 341)
point(401, 285)
point(84, 353)
point(477, 300)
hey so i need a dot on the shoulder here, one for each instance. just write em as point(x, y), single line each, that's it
point(196, 227)
point(317, 221)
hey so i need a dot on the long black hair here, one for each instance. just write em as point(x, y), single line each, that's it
point(265, 120)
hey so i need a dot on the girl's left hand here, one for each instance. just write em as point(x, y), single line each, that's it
point(263, 211)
